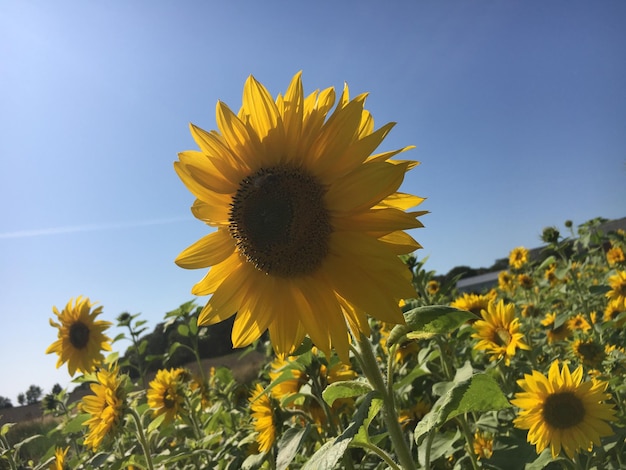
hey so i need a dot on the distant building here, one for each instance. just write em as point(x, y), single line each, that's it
point(486, 281)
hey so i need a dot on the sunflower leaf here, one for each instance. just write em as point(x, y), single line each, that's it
point(428, 321)
point(331, 452)
point(477, 394)
point(345, 389)
point(289, 445)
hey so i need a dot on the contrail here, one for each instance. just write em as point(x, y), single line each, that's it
point(90, 228)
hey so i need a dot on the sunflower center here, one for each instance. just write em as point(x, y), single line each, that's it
point(502, 337)
point(279, 221)
point(563, 410)
point(79, 335)
point(169, 400)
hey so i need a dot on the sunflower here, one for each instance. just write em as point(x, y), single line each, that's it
point(558, 333)
point(432, 287)
point(498, 332)
point(579, 322)
point(589, 352)
point(525, 281)
point(60, 455)
point(263, 417)
point(518, 257)
point(474, 303)
point(483, 445)
point(617, 294)
point(612, 312)
point(409, 418)
point(106, 406)
point(166, 395)
point(615, 255)
point(506, 281)
point(563, 412)
point(309, 223)
point(81, 337)
point(290, 375)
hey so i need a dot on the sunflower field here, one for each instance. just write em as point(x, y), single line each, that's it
point(371, 360)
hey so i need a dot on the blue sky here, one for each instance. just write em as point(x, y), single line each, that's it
point(517, 110)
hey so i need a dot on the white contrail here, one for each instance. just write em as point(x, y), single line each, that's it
point(90, 228)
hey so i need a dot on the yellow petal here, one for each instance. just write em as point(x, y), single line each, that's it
point(208, 251)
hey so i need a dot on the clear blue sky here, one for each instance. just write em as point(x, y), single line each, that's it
point(517, 109)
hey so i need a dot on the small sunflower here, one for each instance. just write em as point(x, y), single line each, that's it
point(309, 223)
point(483, 445)
point(409, 418)
point(292, 378)
point(617, 294)
point(558, 333)
point(166, 395)
point(525, 281)
point(506, 281)
point(612, 312)
point(106, 406)
point(474, 303)
point(615, 255)
point(563, 412)
point(550, 275)
point(263, 418)
point(81, 337)
point(432, 287)
point(579, 322)
point(60, 455)
point(589, 352)
point(498, 332)
point(518, 257)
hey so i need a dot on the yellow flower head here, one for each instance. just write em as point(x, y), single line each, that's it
point(432, 287)
point(498, 332)
point(60, 455)
point(474, 303)
point(288, 386)
point(556, 334)
point(550, 275)
point(589, 352)
point(263, 418)
point(579, 322)
point(615, 255)
point(166, 395)
point(617, 294)
point(612, 312)
point(81, 337)
point(483, 445)
point(309, 224)
point(505, 281)
point(563, 412)
point(525, 281)
point(518, 257)
point(106, 406)
point(409, 418)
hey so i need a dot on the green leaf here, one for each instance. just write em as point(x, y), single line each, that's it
point(183, 330)
point(599, 290)
point(142, 347)
point(546, 263)
point(156, 423)
point(417, 371)
point(193, 326)
point(331, 452)
point(289, 445)
point(428, 321)
point(75, 425)
point(345, 389)
point(363, 435)
point(480, 393)
point(119, 337)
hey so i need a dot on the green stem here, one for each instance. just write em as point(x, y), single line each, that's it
point(469, 439)
point(429, 444)
point(374, 375)
point(142, 438)
point(10, 453)
point(384, 456)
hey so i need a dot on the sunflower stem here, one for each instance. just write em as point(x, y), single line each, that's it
point(142, 438)
point(469, 439)
point(374, 375)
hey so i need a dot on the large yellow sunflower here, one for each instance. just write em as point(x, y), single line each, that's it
point(166, 395)
point(498, 332)
point(309, 223)
point(106, 406)
point(563, 412)
point(81, 337)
